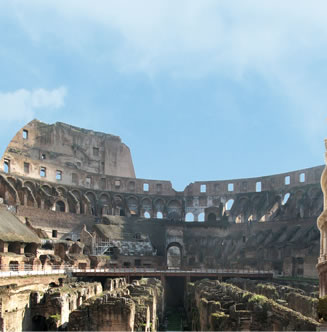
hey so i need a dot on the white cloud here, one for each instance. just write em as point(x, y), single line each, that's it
point(279, 41)
point(23, 104)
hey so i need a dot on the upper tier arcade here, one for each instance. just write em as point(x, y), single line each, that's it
point(91, 172)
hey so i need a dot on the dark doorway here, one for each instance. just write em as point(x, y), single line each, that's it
point(174, 291)
point(39, 323)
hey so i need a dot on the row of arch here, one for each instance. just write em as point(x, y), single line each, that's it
point(65, 199)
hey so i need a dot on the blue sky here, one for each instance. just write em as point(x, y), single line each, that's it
point(199, 90)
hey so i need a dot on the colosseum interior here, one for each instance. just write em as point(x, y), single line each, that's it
point(86, 245)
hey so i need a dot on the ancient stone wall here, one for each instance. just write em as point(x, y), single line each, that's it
point(55, 305)
point(124, 308)
point(299, 300)
point(216, 306)
point(58, 151)
point(15, 301)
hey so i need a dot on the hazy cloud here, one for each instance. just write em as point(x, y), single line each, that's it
point(279, 41)
point(23, 104)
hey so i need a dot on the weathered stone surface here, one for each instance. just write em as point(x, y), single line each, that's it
point(121, 307)
point(239, 310)
point(294, 298)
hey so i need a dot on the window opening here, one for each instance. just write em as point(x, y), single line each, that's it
point(43, 156)
point(229, 204)
point(159, 215)
point(147, 215)
point(201, 216)
point(60, 206)
point(287, 180)
point(59, 175)
point(25, 134)
point(302, 177)
point(258, 187)
point(285, 199)
point(145, 187)
point(54, 233)
point(43, 172)
point(230, 186)
point(203, 188)
point(117, 184)
point(6, 166)
point(189, 217)
point(26, 168)
point(159, 187)
point(88, 180)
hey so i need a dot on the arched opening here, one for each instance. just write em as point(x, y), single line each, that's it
point(31, 248)
point(174, 210)
point(159, 215)
point(201, 217)
point(13, 265)
point(39, 323)
point(14, 247)
point(229, 204)
point(92, 201)
point(174, 256)
point(285, 199)
point(60, 206)
point(212, 217)
point(147, 215)
point(132, 204)
point(189, 217)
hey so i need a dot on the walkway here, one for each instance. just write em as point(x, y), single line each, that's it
point(6, 271)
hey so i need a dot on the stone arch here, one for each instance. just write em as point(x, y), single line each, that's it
point(229, 204)
point(105, 203)
point(73, 203)
point(30, 185)
point(91, 202)
point(133, 205)
point(189, 217)
point(174, 210)
point(201, 217)
point(60, 205)
point(212, 217)
point(146, 207)
point(47, 189)
point(119, 205)
point(62, 191)
point(243, 209)
point(77, 201)
point(159, 207)
point(8, 192)
point(29, 198)
point(174, 255)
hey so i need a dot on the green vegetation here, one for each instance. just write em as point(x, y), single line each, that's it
point(260, 299)
point(56, 317)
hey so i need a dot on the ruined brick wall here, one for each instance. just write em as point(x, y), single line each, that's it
point(215, 306)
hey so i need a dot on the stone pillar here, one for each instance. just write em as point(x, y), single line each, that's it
point(321, 244)
point(3, 246)
point(22, 247)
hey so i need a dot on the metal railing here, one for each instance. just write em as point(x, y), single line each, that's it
point(12, 270)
